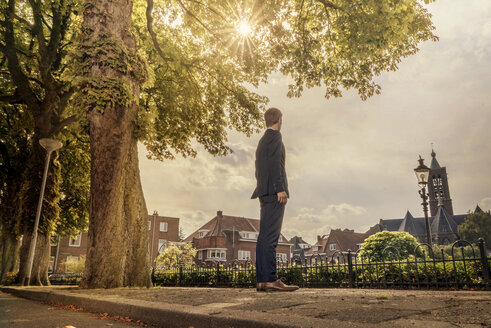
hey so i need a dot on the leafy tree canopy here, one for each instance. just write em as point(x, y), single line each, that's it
point(374, 247)
point(477, 225)
point(205, 57)
point(175, 256)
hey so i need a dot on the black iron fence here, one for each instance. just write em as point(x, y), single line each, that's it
point(423, 269)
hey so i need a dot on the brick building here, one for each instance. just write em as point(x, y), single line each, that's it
point(337, 242)
point(299, 247)
point(227, 238)
point(161, 231)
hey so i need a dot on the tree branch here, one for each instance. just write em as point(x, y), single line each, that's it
point(24, 21)
point(19, 78)
point(329, 4)
point(11, 99)
point(67, 121)
point(152, 32)
point(188, 12)
point(38, 25)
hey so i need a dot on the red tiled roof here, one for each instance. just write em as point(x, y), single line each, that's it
point(222, 223)
point(347, 239)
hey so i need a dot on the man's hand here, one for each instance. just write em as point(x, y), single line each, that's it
point(282, 197)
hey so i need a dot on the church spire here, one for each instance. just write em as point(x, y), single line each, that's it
point(434, 163)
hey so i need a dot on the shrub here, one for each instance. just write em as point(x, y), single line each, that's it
point(9, 279)
point(75, 266)
point(173, 257)
point(374, 246)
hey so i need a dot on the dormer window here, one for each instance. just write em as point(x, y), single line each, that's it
point(332, 247)
point(248, 235)
point(280, 239)
point(203, 233)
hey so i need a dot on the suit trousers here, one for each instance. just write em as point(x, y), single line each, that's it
point(269, 232)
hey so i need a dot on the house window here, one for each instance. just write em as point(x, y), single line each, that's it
point(162, 245)
point(203, 233)
point(280, 239)
point(244, 255)
point(75, 242)
point(248, 235)
point(280, 257)
point(200, 255)
point(358, 246)
point(332, 247)
point(315, 248)
point(71, 258)
point(149, 225)
point(218, 254)
point(51, 263)
point(163, 226)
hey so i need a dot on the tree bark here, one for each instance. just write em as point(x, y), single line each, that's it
point(9, 226)
point(118, 250)
point(8, 252)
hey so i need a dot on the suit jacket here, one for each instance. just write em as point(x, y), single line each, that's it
point(270, 165)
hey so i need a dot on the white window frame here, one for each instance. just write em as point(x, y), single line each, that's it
point(163, 226)
point(72, 258)
point(149, 225)
point(280, 239)
point(244, 255)
point(217, 254)
point(162, 242)
point(200, 255)
point(251, 235)
point(281, 257)
point(203, 233)
point(75, 242)
point(332, 247)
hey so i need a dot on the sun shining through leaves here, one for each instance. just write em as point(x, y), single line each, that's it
point(244, 28)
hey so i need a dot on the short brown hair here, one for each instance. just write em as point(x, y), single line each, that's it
point(272, 116)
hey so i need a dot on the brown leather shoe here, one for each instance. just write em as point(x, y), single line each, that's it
point(275, 286)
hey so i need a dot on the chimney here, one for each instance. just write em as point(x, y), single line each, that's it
point(219, 214)
point(319, 238)
point(155, 213)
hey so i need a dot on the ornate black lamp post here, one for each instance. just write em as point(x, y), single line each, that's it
point(422, 173)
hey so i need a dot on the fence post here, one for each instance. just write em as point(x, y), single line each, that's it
point(180, 275)
point(484, 260)
point(350, 269)
point(218, 274)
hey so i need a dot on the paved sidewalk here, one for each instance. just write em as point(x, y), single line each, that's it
point(216, 307)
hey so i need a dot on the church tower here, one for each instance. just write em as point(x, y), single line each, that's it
point(438, 187)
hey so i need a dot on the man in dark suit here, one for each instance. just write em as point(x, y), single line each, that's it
point(272, 191)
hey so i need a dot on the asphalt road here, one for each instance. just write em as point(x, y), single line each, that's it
point(19, 313)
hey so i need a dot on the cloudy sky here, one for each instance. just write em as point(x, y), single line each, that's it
point(350, 162)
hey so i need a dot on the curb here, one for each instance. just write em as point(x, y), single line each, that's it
point(159, 314)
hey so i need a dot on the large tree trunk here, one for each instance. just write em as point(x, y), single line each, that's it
point(9, 251)
point(117, 253)
point(9, 227)
point(40, 265)
point(50, 212)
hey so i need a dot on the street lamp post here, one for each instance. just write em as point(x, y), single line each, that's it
point(422, 173)
point(50, 145)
